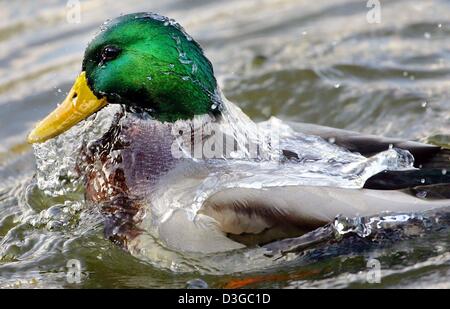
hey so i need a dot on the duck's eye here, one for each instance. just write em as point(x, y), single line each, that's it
point(110, 52)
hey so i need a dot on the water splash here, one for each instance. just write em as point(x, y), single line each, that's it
point(57, 158)
point(316, 162)
point(366, 226)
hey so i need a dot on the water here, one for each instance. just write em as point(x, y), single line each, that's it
point(315, 62)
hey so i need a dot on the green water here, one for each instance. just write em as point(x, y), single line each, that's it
point(311, 61)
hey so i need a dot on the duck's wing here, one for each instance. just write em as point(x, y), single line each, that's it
point(425, 155)
point(243, 211)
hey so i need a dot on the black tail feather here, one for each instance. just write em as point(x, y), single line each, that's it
point(395, 180)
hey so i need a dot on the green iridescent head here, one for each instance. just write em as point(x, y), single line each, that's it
point(144, 61)
point(148, 61)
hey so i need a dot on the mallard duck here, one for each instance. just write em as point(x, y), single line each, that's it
point(165, 85)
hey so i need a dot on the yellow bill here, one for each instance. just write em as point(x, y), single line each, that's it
point(79, 104)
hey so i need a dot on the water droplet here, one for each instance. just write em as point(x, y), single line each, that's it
point(444, 171)
point(171, 65)
point(405, 73)
point(412, 77)
point(439, 248)
point(424, 104)
point(235, 155)
point(154, 16)
point(332, 140)
point(176, 38)
point(173, 22)
point(185, 78)
point(337, 85)
point(421, 194)
point(214, 106)
point(357, 225)
point(304, 33)
point(427, 35)
point(422, 180)
point(166, 23)
point(149, 77)
point(196, 284)
point(185, 61)
point(439, 25)
point(391, 146)
point(194, 68)
point(59, 90)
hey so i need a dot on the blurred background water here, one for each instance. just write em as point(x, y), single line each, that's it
point(311, 61)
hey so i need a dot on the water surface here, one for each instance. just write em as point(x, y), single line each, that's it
point(318, 62)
